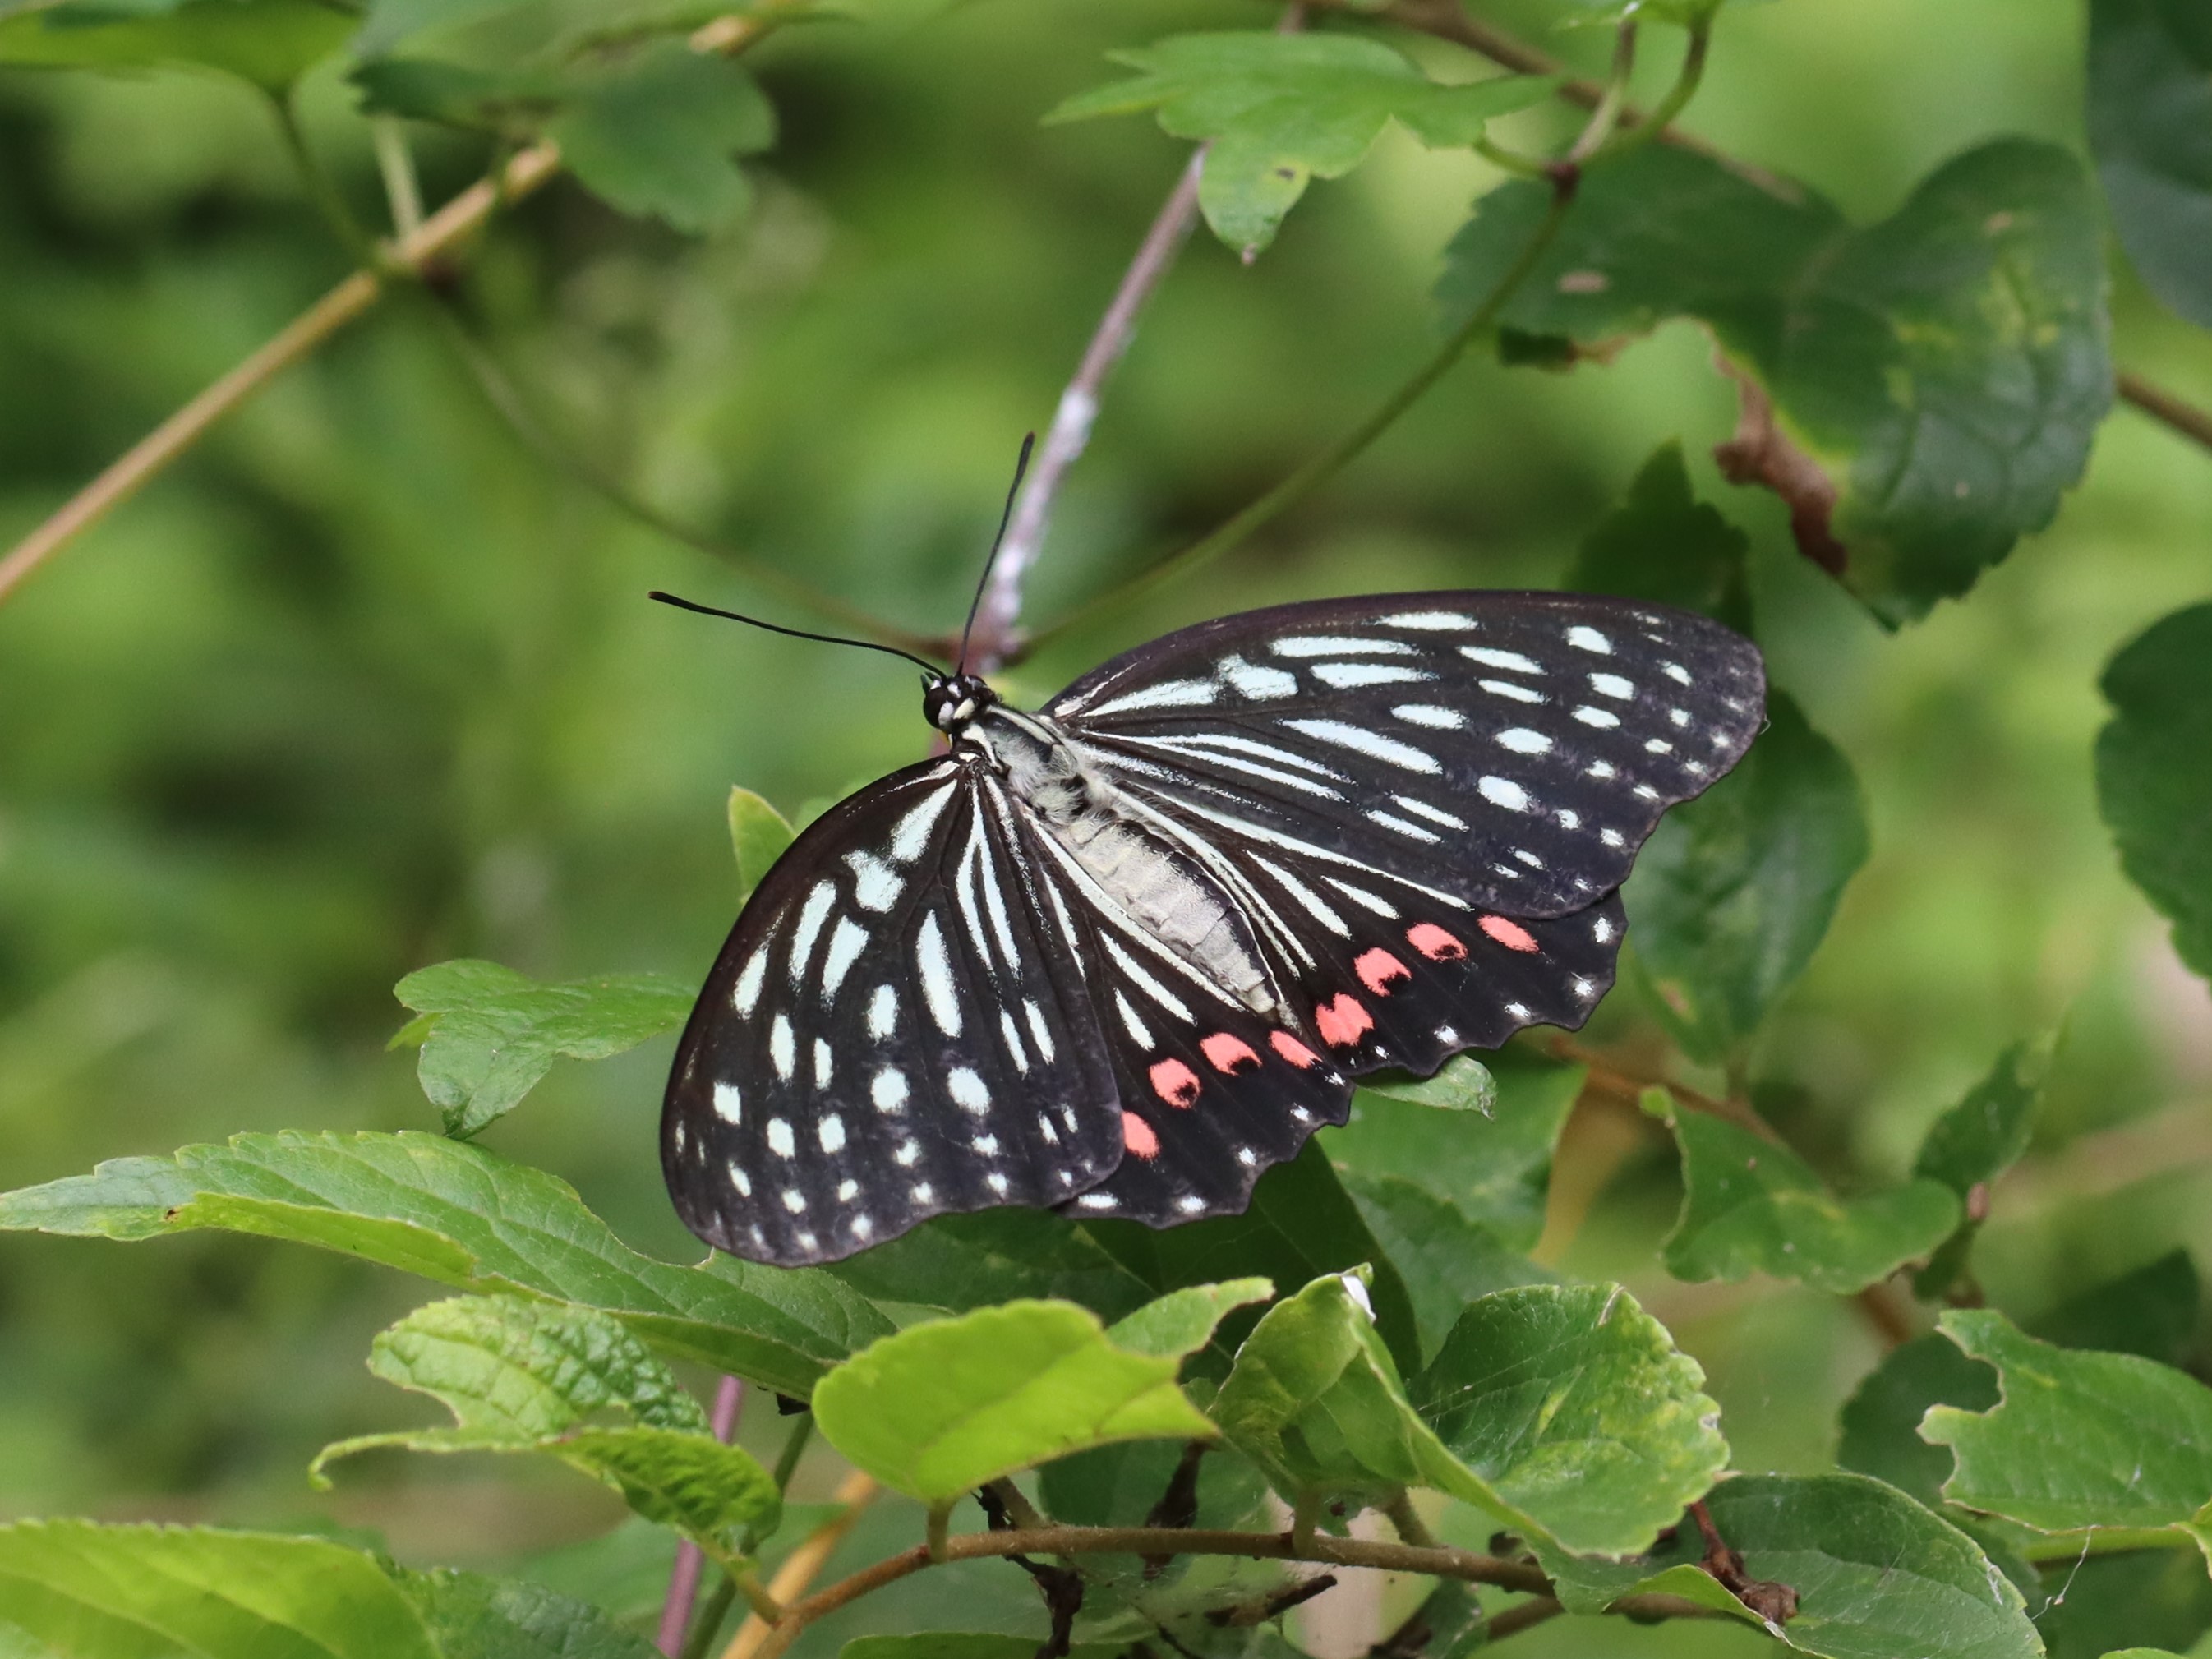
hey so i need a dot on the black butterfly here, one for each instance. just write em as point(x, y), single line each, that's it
point(1120, 955)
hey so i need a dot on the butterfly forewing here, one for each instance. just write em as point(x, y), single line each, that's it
point(1514, 749)
point(894, 1029)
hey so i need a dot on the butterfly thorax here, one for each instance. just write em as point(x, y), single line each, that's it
point(1158, 885)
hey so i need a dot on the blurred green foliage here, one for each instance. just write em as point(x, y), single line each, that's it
point(364, 685)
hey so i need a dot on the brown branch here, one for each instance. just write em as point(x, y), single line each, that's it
point(1603, 1077)
point(411, 257)
point(2191, 421)
point(802, 1564)
point(1528, 1614)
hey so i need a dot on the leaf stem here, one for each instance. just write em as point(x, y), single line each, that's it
point(2184, 418)
point(403, 191)
point(801, 1566)
point(321, 189)
point(1632, 134)
point(1433, 1562)
point(684, 1577)
point(1599, 128)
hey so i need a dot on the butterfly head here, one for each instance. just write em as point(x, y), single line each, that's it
point(949, 701)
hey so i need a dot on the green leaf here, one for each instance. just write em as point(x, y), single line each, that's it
point(456, 1214)
point(489, 1033)
point(1280, 109)
point(758, 836)
point(86, 1590)
point(2153, 786)
point(269, 43)
point(1750, 1205)
point(1494, 1169)
point(2076, 1439)
point(2160, 1598)
point(1877, 1576)
point(1575, 1406)
point(1736, 890)
point(1665, 545)
point(472, 1617)
point(956, 1263)
point(1920, 391)
point(1881, 1422)
point(523, 1375)
point(1183, 1321)
point(1119, 1486)
point(388, 22)
point(1972, 1144)
point(1462, 1084)
point(657, 132)
point(1300, 1225)
point(941, 1408)
point(2150, 129)
point(2150, 1310)
point(1447, 1260)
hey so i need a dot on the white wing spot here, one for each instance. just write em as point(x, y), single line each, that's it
point(1098, 1202)
point(883, 1013)
point(1427, 621)
point(1612, 685)
point(1611, 838)
point(1598, 769)
point(987, 1145)
point(746, 997)
point(779, 1138)
point(967, 1090)
point(1647, 792)
point(823, 1062)
point(1508, 689)
point(1527, 858)
point(793, 1200)
point(1589, 639)
point(1310, 902)
point(781, 1049)
point(1569, 819)
point(1513, 661)
point(1374, 745)
point(1247, 1157)
point(1324, 645)
point(1584, 989)
point(907, 1155)
point(1676, 672)
point(1429, 714)
point(1040, 1032)
point(845, 945)
point(1190, 1204)
point(675, 1135)
point(741, 1181)
point(862, 1226)
point(809, 927)
point(924, 1193)
point(1604, 719)
point(1145, 982)
point(1516, 1010)
point(1013, 1033)
point(888, 1089)
point(1521, 741)
point(1044, 1128)
point(1131, 1024)
point(1250, 680)
point(1502, 791)
point(911, 833)
point(729, 1104)
point(1365, 900)
point(1171, 693)
point(1421, 809)
point(1679, 716)
point(937, 986)
point(1658, 746)
point(832, 1133)
point(1447, 1035)
point(848, 1191)
point(1346, 675)
point(1602, 930)
point(876, 885)
point(996, 1182)
point(1392, 821)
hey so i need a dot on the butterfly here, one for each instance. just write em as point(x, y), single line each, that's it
point(1119, 955)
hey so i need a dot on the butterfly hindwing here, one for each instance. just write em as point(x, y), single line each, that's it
point(894, 1029)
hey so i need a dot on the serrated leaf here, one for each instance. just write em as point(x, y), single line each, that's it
point(1750, 1205)
point(1447, 1260)
point(87, 1590)
point(956, 1263)
point(1574, 1405)
point(1494, 1169)
point(456, 1214)
point(2152, 787)
point(2150, 129)
point(758, 836)
point(1301, 1224)
point(2076, 1439)
point(941, 1408)
point(1972, 1144)
point(269, 43)
point(1280, 109)
point(526, 1375)
point(471, 1616)
point(1921, 391)
point(1183, 1321)
point(489, 1033)
point(1736, 890)
point(1877, 1576)
point(1665, 545)
point(658, 133)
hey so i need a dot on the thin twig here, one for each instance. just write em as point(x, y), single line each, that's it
point(800, 1567)
point(402, 191)
point(2191, 421)
point(683, 1577)
point(1527, 1616)
point(524, 172)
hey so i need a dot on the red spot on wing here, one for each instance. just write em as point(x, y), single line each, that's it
point(1292, 1050)
point(1227, 1053)
point(1174, 1083)
point(1378, 970)
point(1510, 934)
point(1137, 1135)
point(1342, 1019)
point(1434, 943)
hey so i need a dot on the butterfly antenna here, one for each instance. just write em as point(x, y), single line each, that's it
point(1021, 467)
point(795, 633)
